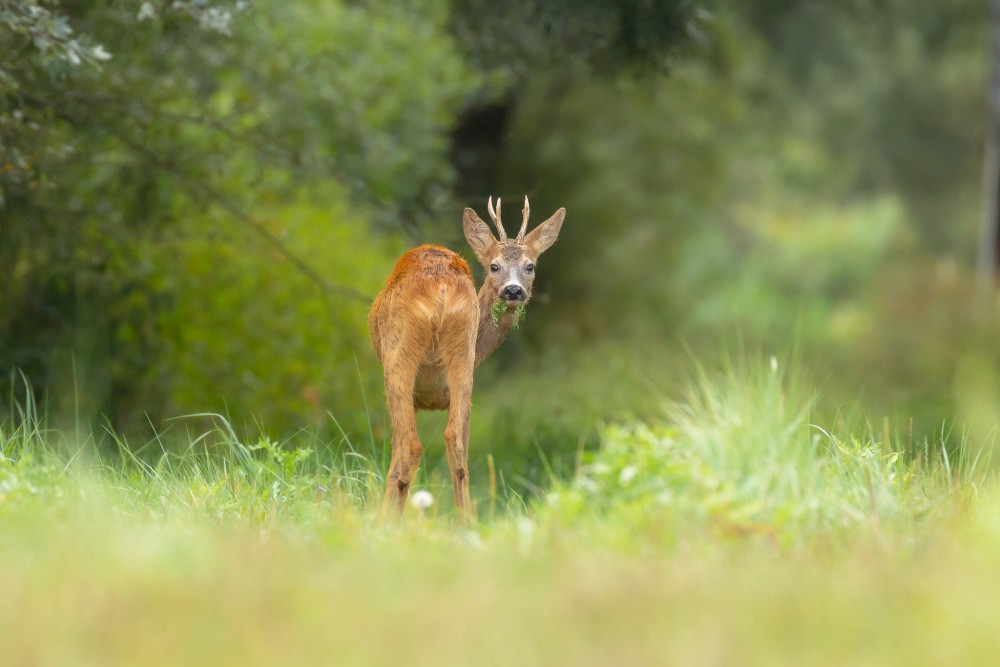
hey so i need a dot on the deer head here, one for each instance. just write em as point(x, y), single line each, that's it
point(510, 263)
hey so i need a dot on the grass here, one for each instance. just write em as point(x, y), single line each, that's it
point(732, 530)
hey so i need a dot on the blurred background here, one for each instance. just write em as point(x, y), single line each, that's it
point(200, 200)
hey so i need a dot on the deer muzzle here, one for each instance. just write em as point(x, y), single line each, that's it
point(513, 292)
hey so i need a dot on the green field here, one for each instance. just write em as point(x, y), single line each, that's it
point(734, 530)
point(200, 200)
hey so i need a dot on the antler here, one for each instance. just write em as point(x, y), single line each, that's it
point(496, 219)
point(524, 220)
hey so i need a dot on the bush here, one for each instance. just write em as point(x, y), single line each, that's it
point(739, 457)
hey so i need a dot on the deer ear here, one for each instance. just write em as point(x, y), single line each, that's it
point(545, 234)
point(477, 234)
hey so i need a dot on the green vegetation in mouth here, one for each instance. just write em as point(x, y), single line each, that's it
point(500, 307)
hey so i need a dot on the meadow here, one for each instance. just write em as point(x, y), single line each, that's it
point(200, 199)
point(731, 530)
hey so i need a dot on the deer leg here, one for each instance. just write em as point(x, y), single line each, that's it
point(406, 447)
point(456, 435)
point(460, 462)
point(456, 442)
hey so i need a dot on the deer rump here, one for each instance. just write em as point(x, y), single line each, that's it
point(425, 317)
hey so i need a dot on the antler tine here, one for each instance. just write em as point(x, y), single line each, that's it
point(524, 220)
point(496, 218)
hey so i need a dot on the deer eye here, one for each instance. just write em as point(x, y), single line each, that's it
point(529, 267)
point(494, 267)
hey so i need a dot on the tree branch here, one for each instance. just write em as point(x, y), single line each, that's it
point(207, 192)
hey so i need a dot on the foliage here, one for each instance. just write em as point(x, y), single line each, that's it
point(241, 322)
point(171, 152)
point(498, 309)
point(632, 208)
point(766, 190)
point(868, 80)
point(668, 167)
point(740, 457)
point(217, 475)
point(522, 36)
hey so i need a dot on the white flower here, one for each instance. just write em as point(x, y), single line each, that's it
point(99, 53)
point(422, 499)
point(146, 12)
point(627, 474)
point(525, 534)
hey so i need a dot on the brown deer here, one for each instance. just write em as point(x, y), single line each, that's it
point(430, 330)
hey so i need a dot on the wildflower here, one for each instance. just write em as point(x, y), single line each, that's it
point(146, 12)
point(422, 499)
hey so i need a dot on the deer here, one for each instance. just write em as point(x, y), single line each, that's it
point(431, 329)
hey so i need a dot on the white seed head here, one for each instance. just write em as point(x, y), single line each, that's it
point(147, 11)
point(627, 474)
point(422, 499)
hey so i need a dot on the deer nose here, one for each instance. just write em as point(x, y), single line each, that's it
point(513, 293)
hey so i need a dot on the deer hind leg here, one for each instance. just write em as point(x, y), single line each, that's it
point(400, 370)
point(460, 362)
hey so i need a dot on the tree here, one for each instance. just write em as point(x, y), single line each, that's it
point(530, 47)
point(989, 242)
point(145, 144)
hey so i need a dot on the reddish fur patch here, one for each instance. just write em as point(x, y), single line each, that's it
point(460, 264)
point(424, 258)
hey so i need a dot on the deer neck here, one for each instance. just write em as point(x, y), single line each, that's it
point(491, 333)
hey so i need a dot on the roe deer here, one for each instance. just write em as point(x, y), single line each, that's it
point(430, 331)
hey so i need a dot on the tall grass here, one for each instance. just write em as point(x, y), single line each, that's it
point(215, 476)
point(741, 456)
